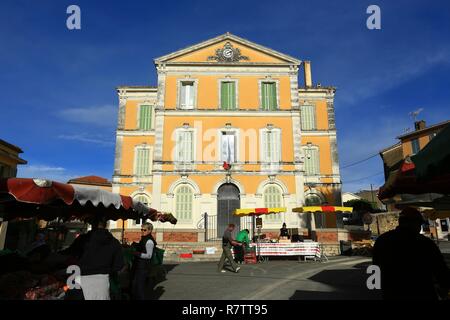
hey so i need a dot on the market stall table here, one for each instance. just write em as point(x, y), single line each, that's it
point(305, 249)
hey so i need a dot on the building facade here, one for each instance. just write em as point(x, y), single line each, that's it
point(227, 101)
point(9, 160)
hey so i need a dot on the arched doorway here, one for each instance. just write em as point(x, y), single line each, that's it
point(228, 200)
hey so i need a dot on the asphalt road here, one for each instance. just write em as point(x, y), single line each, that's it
point(339, 278)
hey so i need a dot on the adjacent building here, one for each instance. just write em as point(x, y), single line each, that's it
point(409, 144)
point(92, 182)
point(227, 126)
point(9, 160)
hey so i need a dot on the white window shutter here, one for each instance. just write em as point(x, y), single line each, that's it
point(231, 150)
point(277, 146)
point(190, 146)
point(183, 96)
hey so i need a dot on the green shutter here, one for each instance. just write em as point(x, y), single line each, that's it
point(142, 161)
point(264, 96)
point(228, 95)
point(308, 117)
point(232, 92)
point(273, 96)
point(272, 199)
point(183, 206)
point(145, 117)
point(269, 95)
point(224, 95)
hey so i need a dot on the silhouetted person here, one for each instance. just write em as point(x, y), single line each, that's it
point(101, 256)
point(410, 263)
point(284, 232)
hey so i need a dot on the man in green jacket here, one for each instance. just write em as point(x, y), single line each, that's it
point(241, 237)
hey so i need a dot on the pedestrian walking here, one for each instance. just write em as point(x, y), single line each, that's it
point(227, 243)
point(142, 263)
point(411, 265)
point(101, 257)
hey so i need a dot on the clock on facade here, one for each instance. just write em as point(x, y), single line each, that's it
point(228, 54)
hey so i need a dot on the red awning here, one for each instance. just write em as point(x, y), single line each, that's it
point(48, 200)
point(404, 181)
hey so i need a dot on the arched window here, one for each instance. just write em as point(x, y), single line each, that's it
point(319, 217)
point(143, 198)
point(313, 200)
point(273, 199)
point(184, 198)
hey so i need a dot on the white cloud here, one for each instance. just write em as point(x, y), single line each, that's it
point(103, 116)
point(94, 139)
point(45, 172)
point(382, 74)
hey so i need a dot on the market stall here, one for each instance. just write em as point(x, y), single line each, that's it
point(324, 209)
point(22, 198)
point(277, 247)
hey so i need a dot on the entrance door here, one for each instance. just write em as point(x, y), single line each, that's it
point(228, 200)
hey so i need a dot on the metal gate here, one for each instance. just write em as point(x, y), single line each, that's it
point(228, 200)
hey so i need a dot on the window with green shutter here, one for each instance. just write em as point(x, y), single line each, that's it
point(145, 117)
point(308, 117)
point(183, 203)
point(142, 167)
point(273, 199)
point(312, 161)
point(185, 146)
point(269, 95)
point(271, 146)
point(228, 95)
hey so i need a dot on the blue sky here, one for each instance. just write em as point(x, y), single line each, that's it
point(58, 99)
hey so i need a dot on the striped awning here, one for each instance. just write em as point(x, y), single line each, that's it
point(257, 211)
point(322, 209)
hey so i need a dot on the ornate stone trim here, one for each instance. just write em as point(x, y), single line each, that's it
point(228, 54)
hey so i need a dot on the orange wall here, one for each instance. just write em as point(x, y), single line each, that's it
point(208, 91)
point(203, 54)
point(207, 183)
point(243, 123)
point(324, 152)
point(129, 142)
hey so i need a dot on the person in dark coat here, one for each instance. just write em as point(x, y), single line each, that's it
point(142, 262)
point(411, 265)
point(101, 256)
point(284, 232)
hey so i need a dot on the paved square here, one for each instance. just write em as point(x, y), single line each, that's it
point(340, 278)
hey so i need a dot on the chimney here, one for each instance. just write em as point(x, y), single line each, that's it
point(419, 125)
point(307, 69)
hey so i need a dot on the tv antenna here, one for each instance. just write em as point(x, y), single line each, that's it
point(414, 114)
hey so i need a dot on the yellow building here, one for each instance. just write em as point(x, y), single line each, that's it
point(9, 159)
point(227, 100)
